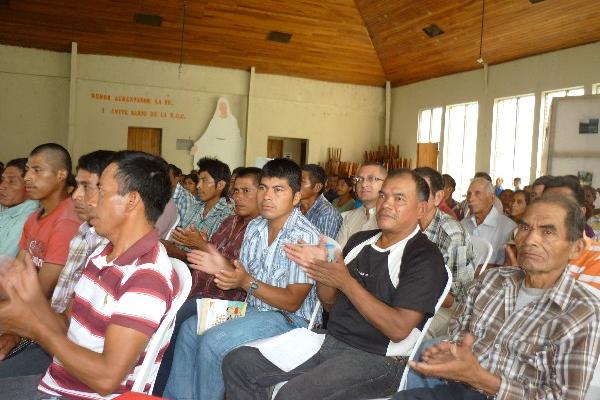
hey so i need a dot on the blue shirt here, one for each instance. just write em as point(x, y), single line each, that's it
point(191, 211)
point(325, 217)
point(269, 264)
point(12, 220)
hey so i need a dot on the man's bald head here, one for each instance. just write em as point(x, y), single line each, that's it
point(57, 156)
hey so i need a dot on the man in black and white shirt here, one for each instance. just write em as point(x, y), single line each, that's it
point(380, 296)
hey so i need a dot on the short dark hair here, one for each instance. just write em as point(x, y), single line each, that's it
point(236, 171)
point(245, 172)
point(283, 168)
point(20, 163)
point(146, 174)
point(374, 164)
point(217, 169)
point(449, 181)
point(193, 177)
point(175, 170)
point(349, 182)
point(61, 158)
point(96, 161)
point(435, 178)
point(574, 218)
point(316, 174)
point(420, 183)
point(542, 180)
point(483, 175)
point(525, 194)
point(570, 182)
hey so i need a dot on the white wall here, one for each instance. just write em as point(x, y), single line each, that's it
point(34, 105)
point(34, 99)
point(561, 69)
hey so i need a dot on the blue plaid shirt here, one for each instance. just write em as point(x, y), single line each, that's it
point(191, 211)
point(270, 265)
point(325, 217)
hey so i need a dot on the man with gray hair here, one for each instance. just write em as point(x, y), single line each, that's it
point(525, 332)
point(485, 221)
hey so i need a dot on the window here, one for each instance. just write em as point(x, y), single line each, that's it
point(430, 125)
point(460, 141)
point(596, 88)
point(512, 137)
point(545, 118)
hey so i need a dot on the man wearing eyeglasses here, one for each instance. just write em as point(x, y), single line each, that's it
point(368, 182)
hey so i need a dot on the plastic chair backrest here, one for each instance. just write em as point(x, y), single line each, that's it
point(483, 252)
point(172, 228)
point(148, 370)
point(426, 328)
point(595, 383)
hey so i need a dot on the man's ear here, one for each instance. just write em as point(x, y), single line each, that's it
point(318, 187)
point(296, 198)
point(133, 201)
point(421, 209)
point(577, 248)
point(62, 174)
point(438, 197)
point(221, 186)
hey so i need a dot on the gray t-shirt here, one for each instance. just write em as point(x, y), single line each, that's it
point(528, 295)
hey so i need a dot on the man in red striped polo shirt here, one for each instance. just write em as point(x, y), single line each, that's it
point(125, 290)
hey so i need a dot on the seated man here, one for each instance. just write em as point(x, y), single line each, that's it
point(103, 335)
point(17, 207)
point(33, 359)
point(280, 295)
point(586, 267)
point(227, 240)
point(213, 207)
point(324, 216)
point(381, 292)
point(485, 221)
point(526, 332)
point(369, 178)
point(453, 242)
point(48, 232)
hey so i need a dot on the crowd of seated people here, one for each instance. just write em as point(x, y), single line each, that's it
point(86, 280)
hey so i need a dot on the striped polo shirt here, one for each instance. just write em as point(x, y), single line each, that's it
point(135, 291)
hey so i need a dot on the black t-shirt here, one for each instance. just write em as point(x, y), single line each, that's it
point(409, 274)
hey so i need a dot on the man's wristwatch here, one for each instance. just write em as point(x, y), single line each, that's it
point(252, 288)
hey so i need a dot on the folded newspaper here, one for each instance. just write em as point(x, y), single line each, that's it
point(213, 312)
point(291, 349)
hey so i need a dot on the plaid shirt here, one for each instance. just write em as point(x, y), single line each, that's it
point(325, 217)
point(80, 248)
point(191, 211)
point(268, 263)
point(228, 242)
point(455, 245)
point(547, 349)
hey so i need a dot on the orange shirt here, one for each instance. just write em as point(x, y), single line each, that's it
point(586, 268)
point(47, 239)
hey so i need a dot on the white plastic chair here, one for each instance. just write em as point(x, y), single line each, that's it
point(172, 228)
point(593, 392)
point(425, 329)
point(483, 253)
point(147, 372)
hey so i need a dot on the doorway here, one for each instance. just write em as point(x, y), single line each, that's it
point(145, 139)
point(292, 148)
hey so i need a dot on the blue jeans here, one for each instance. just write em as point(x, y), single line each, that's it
point(416, 380)
point(196, 370)
point(187, 310)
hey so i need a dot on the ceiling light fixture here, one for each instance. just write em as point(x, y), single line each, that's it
point(280, 37)
point(480, 60)
point(433, 30)
point(183, 12)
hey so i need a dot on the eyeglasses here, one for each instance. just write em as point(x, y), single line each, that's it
point(370, 179)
